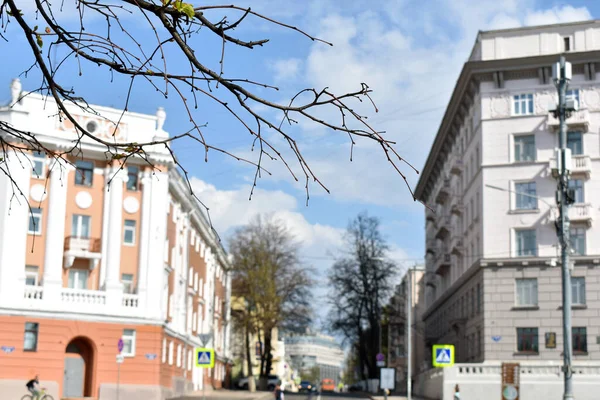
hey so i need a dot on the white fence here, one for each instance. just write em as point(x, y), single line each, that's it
point(538, 380)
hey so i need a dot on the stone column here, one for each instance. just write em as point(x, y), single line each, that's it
point(113, 286)
point(142, 278)
point(14, 222)
point(55, 231)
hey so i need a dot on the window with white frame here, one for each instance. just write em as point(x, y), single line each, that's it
point(164, 351)
point(189, 360)
point(196, 281)
point(578, 290)
point(127, 281)
point(81, 226)
point(575, 143)
point(31, 275)
point(128, 342)
point(526, 242)
point(171, 353)
point(38, 166)
point(199, 321)
point(78, 278)
point(179, 355)
point(573, 94)
point(129, 232)
point(35, 221)
point(523, 104)
point(577, 240)
point(194, 320)
point(527, 292)
point(191, 276)
point(577, 186)
point(526, 196)
point(524, 147)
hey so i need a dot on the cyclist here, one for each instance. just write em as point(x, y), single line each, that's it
point(34, 388)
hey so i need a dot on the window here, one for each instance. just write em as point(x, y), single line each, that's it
point(81, 226)
point(567, 43)
point(38, 166)
point(524, 148)
point(84, 173)
point(526, 242)
point(573, 94)
point(577, 239)
point(578, 290)
point(179, 355)
point(577, 186)
point(523, 104)
point(78, 278)
point(196, 281)
point(526, 196)
point(31, 275)
point(478, 298)
point(127, 281)
point(527, 292)
point(527, 340)
point(128, 342)
point(472, 302)
point(129, 232)
point(575, 143)
point(132, 178)
point(164, 351)
point(189, 360)
point(579, 340)
point(171, 353)
point(35, 221)
point(31, 336)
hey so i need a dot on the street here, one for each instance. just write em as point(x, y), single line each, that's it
point(324, 396)
point(269, 396)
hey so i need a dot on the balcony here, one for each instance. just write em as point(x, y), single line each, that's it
point(578, 213)
point(456, 165)
point(444, 226)
point(81, 247)
point(580, 165)
point(429, 215)
point(457, 207)
point(444, 192)
point(442, 262)
point(579, 120)
point(456, 245)
point(430, 245)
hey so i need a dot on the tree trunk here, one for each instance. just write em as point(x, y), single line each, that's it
point(251, 383)
point(268, 357)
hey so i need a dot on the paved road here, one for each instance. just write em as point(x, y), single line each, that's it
point(324, 396)
point(268, 396)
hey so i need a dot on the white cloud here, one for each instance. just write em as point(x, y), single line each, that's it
point(558, 15)
point(286, 69)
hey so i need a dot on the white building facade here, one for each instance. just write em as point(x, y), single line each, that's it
point(492, 277)
point(315, 350)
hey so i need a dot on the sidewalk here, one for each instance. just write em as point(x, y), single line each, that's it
point(227, 394)
point(394, 398)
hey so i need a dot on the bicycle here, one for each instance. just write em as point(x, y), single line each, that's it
point(42, 396)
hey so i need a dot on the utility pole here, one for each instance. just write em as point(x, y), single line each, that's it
point(562, 75)
point(409, 301)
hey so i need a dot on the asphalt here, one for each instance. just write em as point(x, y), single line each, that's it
point(243, 395)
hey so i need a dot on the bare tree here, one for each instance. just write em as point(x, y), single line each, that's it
point(267, 273)
point(175, 64)
point(360, 283)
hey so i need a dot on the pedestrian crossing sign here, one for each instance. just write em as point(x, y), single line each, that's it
point(443, 355)
point(205, 358)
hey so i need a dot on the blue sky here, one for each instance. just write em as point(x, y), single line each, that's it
point(409, 52)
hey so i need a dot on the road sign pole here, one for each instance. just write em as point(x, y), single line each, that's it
point(118, 378)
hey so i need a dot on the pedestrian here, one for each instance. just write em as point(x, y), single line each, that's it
point(278, 392)
point(456, 392)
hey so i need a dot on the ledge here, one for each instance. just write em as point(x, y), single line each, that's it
point(525, 211)
point(525, 308)
point(526, 353)
point(576, 307)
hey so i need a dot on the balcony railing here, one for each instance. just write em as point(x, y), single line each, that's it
point(578, 120)
point(456, 165)
point(130, 300)
point(457, 244)
point(75, 243)
point(83, 296)
point(444, 226)
point(442, 262)
point(579, 212)
point(34, 292)
point(443, 192)
point(580, 165)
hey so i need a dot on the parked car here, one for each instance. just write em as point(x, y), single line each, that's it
point(327, 385)
point(273, 380)
point(306, 386)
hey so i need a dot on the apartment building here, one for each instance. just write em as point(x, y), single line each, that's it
point(397, 345)
point(314, 349)
point(105, 253)
point(492, 264)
